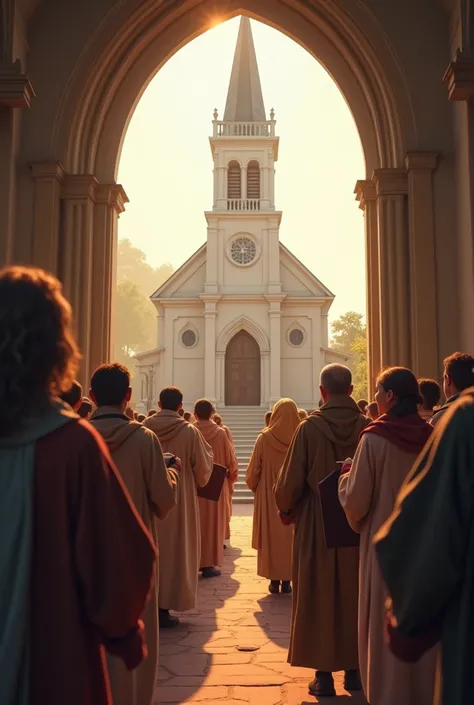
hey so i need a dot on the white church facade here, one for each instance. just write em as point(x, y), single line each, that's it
point(243, 322)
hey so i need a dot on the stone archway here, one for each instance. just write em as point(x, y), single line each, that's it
point(73, 139)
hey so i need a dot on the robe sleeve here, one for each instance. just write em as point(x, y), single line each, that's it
point(422, 548)
point(114, 553)
point(356, 487)
point(202, 458)
point(291, 481)
point(161, 482)
point(232, 464)
point(254, 469)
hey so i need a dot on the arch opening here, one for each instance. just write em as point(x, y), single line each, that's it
point(242, 371)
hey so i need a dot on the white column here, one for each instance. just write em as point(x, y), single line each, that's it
point(210, 286)
point(220, 378)
point(265, 378)
point(275, 346)
point(169, 349)
point(274, 281)
point(210, 315)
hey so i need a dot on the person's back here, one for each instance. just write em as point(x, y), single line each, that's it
point(426, 554)
point(458, 376)
point(385, 455)
point(68, 526)
point(325, 581)
point(179, 534)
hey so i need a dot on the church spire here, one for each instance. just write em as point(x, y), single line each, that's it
point(245, 99)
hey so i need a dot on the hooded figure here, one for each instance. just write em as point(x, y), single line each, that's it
point(137, 454)
point(179, 535)
point(325, 581)
point(270, 538)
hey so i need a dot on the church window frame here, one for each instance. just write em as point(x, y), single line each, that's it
point(234, 180)
point(296, 328)
point(245, 259)
point(188, 329)
point(254, 180)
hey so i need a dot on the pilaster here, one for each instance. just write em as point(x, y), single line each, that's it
point(366, 194)
point(275, 302)
point(394, 276)
point(423, 287)
point(210, 371)
point(48, 178)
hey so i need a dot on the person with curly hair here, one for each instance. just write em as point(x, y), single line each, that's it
point(76, 562)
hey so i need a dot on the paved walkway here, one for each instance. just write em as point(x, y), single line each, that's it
point(205, 659)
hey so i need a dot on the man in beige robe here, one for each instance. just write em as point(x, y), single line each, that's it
point(325, 581)
point(179, 535)
point(218, 420)
point(152, 487)
point(214, 516)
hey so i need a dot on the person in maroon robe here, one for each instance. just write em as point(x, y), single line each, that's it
point(76, 562)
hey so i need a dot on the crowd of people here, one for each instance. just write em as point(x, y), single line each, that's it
point(106, 525)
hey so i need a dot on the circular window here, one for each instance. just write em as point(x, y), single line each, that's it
point(189, 338)
point(243, 250)
point(296, 337)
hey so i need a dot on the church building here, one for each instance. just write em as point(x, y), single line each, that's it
point(243, 322)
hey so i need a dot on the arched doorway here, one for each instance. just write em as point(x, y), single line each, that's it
point(242, 371)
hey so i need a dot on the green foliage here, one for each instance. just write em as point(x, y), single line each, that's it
point(349, 335)
point(136, 328)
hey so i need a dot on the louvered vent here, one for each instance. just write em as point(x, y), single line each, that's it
point(234, 185)
point(253, 180)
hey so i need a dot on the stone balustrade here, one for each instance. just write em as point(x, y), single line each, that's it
point(244, 129)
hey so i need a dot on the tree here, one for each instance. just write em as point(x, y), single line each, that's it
point(349, 335)
point(136, 327)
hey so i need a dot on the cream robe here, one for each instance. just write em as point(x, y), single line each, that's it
point(368, 495)
point(325, 581)
point(215, 515)
point(179, 535)
point(137, 454)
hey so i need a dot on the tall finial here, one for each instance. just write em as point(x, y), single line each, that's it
point(272, 114)
point(216, 114)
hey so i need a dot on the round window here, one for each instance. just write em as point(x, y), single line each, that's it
point(296, 337)
point(189, 338)
point(243, 250)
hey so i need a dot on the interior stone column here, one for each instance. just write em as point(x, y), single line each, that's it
point(275, 346)
point(394, 275)
point(424, 328)
point(366, 194)
point(48, 178)
point(109, 203)
point(75, 258)
point(210, 371)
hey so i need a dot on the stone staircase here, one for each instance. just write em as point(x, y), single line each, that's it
point(245, 423)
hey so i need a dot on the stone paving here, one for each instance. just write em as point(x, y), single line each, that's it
point(204, 659)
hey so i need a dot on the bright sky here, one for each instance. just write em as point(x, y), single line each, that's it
point(166, 165)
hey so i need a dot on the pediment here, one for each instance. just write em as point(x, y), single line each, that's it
point(187, 281)
point(297, 280)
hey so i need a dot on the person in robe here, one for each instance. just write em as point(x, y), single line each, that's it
point(85, 409)
point(152, 412)
point(268, 416)
point(137, 454)
point(373, 411)
point(430, 392)
point(426, 552)
point(270, 538)
point(218, 420)
point(303, 414)
point(73, 396)
point(189, 417)
point(385, 455)
point(325, 581)
point(76, 563)
point(141, 418)
point(214, 516)
point(458, 376)
point(179, 535)
point(363, 404)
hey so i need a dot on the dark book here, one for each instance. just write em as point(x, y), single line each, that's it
point(337, 532)
point(214, 487)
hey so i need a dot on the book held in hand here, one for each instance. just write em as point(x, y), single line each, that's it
point(214, 487)
point(337, 532)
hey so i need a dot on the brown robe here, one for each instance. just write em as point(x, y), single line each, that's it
point(214, 516)
point(270, 538)
point(92, 567)
point(368, 495)
point(325, 581)
point(231, 486)
point(137, 455)
point(179, 534)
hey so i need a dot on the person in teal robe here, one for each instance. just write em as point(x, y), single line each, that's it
point(426, 551)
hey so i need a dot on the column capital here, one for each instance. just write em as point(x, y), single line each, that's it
point(365, 190)
point(16, 90)
point(112, 195)
point(459, 76)
point(391, 182)
point(48, 170)
point(79, 186)
point(421, 161)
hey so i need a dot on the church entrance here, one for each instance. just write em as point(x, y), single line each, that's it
point(242, 371)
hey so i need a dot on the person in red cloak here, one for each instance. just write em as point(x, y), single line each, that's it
point(76, 562)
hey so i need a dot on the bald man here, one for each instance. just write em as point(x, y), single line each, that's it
point(325, 581)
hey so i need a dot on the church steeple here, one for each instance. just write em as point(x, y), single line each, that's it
point(245, 98)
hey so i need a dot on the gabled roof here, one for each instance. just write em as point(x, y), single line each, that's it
point(245, 98)
point(184, 272)
point(310, 278)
